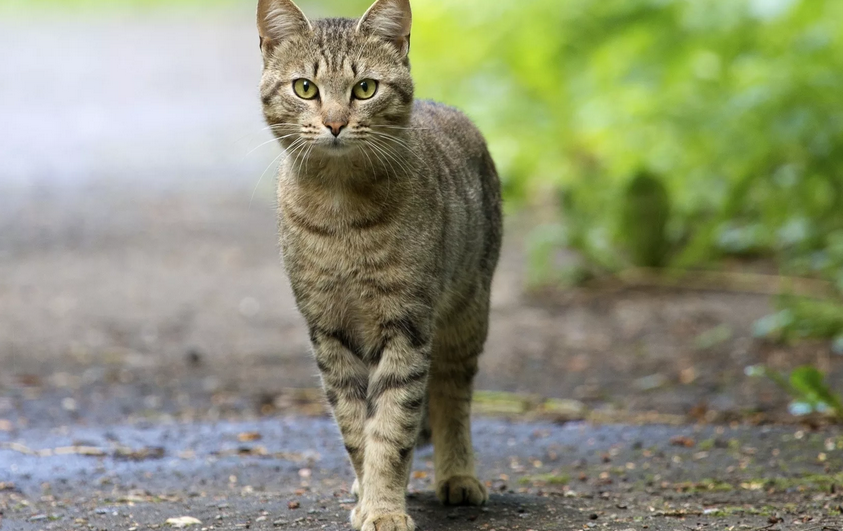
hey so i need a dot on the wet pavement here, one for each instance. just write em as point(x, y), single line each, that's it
point(291, 472)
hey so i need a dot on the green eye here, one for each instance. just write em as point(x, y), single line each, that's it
point(305, 89)
point(365, 89)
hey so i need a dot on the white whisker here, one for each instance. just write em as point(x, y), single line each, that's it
point(402, 143)
point(401, 127)
point(274, 139)
point(392, 154)
point(264, 129)
point(285, 152)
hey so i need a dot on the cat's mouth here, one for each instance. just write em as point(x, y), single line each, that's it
point(334, 146)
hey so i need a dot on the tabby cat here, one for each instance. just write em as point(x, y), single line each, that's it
point(390, 227)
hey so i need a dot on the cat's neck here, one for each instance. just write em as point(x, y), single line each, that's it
point(343, 189)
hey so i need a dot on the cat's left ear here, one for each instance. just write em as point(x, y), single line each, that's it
point(390, 20)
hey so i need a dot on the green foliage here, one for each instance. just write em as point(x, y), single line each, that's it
point(645, 209)
point(806, 386)
point(734, 105)
point(801, 318)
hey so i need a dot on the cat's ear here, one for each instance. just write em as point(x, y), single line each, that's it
point(277, 20)
point(390, 20)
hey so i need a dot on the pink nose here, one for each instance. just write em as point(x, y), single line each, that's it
point(335, 127)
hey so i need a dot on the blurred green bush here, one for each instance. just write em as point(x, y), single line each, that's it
point(735, 107)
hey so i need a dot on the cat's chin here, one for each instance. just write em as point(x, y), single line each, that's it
point(335, 148)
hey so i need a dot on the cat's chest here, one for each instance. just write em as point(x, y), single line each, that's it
point(338, 234)
point(351, 282)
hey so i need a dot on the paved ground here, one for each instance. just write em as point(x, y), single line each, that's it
point(145, 322)
point(289, 473)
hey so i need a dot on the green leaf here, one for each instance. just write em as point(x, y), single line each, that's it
point(810, 385)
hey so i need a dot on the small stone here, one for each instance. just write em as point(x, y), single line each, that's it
point(194, 357)
point(293, 504)
point(182, 521)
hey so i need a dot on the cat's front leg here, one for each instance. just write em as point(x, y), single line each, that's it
point(395, 403)
point(345, 379)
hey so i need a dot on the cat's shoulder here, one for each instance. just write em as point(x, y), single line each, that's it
point(436, 117)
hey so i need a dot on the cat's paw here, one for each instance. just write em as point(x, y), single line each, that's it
point(389, 522)
point(355, 489)
point(462, 490)
point(361, 520)
point(358, 516)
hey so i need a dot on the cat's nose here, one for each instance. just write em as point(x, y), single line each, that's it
point(336, 127)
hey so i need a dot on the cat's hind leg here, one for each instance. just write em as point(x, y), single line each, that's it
point(452, 372)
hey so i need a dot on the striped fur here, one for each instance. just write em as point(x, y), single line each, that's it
point(390, 234)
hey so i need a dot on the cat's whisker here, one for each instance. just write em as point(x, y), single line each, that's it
point(388, 162)
point(362, 150)
point(378, 153)
point(262, 130)
point(389, 136)
point(392, 154)
point(388, 181)
point(307, 159)
point(394, 138)
point(285, 152)
point(300, 157)
point(274, 139)
point(401, 127)
point(403, 144)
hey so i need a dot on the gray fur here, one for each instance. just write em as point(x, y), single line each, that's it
point(390, 234)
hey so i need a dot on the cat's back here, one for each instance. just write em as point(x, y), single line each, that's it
point(448, 128)
point(454, 149)
point(455, 160)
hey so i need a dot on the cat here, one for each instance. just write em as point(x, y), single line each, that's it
point(390, 224)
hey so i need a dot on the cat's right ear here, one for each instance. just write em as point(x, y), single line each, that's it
point(277, 20)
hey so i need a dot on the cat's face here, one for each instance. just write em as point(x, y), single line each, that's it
point(336, 86)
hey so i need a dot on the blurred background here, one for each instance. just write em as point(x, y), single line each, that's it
point(673, 183)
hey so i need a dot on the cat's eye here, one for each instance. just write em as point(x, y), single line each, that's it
point(305, 89)
point(365, 89)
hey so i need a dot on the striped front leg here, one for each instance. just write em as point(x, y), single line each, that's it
point(395, 401)
point(345, 380)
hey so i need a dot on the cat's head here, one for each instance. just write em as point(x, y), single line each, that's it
point(335, 85)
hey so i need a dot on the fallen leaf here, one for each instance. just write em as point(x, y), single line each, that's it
point(293, 505)
point(249, 436)
point(6, 425)
point(182, 521)
point(140, 454)
point(681, 440)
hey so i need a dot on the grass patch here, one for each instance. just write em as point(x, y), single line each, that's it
point(806, 482)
